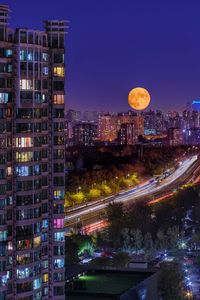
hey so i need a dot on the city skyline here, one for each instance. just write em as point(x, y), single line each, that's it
point(154, 45)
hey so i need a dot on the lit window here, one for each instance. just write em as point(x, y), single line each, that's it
point(22, 171)
point(45, 264)
point(9, 52)
point(24, 156)
point(59, 236)
point(45, 223)
point(37, 241)
point(24, 273)
point(3, 280)
point(59, 263)
point(10, 246)
point(37, 283)
point(3, 236)
point(58, 223)
point(4, 97)
point(22, 55)
point(58, 99)
point(58, 194)
point(24, 142)
point(45, 277)
point(9, 171)
point(26, 84)
point(45, 71)
point(45, 290)
point(30, 55)
point(24, 244)
point(59, 71)
point(45, 56)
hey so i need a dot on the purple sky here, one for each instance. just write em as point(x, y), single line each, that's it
point(116, 45)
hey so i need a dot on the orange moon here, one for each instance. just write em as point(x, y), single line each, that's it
point(139, 98)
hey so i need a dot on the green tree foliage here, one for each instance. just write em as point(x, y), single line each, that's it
point(84, 243)
point(94, 193)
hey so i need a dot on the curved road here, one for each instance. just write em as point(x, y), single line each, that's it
point(180, 176)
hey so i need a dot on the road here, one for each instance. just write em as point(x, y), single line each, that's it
point(180, 176)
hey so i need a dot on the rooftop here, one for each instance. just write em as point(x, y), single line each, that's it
point(104, 284)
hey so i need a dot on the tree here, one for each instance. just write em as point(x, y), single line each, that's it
point(99, 262)
point(126, 238)
point(138, 239)
point(161, 240)
point(170, 282)
point(173, 236)
point(106, 189)
point(84, 242)
point(71, 251)
point(78, 198)
point(94, 193)
point(120, 259)
point(148, 245)
point(115, 216)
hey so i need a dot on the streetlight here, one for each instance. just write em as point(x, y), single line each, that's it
point(78, 189)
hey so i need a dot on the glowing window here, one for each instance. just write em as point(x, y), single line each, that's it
point(45, 223)
point(22, 171)
point(45, 56)
point(59, 236)
point(22, 55)
point(58, 223)
point(37, 241)
point(58, 195)
point(58, 99)
point(30, 55)
point(45, 71)
point(9, 171)
point(45, 277)
point(24, 156)
point(4, 97)
point(59, 263)
point(37, 283)
point(3, 236)
point(59, 71)
point(26, 84)
point(24, 273)
point(24, 142)
point(9, 52)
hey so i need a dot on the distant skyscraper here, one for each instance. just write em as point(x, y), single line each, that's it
point(73, 116)
point(84, 134)
point(196, 105)
point(175, 136)
point(128, 134)
point(109, 125)
point(192, 136)
point(154, 121)
point(32, 161)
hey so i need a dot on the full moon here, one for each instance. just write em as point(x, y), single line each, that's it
point(139, 98)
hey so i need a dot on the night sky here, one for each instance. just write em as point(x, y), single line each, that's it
point(115, 45)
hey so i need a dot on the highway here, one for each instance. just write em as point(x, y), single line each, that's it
point(180, 176)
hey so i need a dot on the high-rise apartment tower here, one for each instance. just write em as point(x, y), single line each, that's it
point(32, 146)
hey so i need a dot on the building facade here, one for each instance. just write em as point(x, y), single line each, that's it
point(175, 136)
point(109, 125)
point(127, 134)
point(32, 183)
point(84, 134)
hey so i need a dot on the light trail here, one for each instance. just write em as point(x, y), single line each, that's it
point(99, 225)
point(141, 191)
point(160, 199)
